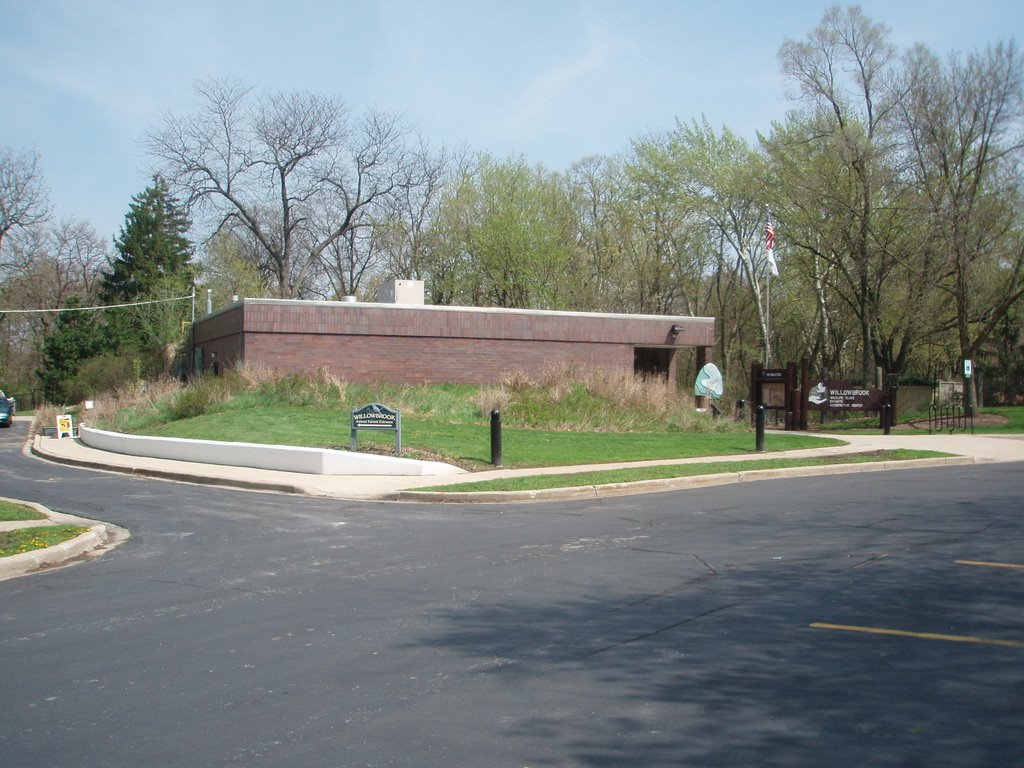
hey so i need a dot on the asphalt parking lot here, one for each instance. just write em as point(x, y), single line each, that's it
point(786, 622)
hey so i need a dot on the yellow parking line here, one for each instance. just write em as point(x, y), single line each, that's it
point(990, 565)
point(920, 635)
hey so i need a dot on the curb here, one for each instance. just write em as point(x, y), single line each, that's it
point(100, 538)
point(669, 483)
point(160, 474)
point(498, 497)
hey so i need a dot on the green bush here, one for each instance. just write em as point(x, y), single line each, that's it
point(190, 402)
point(309, 389)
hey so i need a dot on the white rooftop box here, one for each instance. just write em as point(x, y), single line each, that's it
point(401, 292)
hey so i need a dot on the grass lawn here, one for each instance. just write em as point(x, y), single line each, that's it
point(468, 444)
point(29, 539)
point(1014, 421)
point(10, 512)
point(604, 477)
point(23, 540)
point(917, 423)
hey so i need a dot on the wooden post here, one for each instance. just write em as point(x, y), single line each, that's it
point(702, 360)
point(792, 404)
point(805, 391)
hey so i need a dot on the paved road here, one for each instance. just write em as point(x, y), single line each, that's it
point(673, 629)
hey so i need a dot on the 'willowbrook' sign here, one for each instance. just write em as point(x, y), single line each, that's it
point(376, 416)
point(840, 396)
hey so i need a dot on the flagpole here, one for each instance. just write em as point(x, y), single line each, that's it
point(768, 318)
point(770, 269)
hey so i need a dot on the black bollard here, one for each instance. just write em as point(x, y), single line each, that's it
point(496, 438)
point(759, 428)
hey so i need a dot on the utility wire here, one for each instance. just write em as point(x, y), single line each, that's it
point(93, 309)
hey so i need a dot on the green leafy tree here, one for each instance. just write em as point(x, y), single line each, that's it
point(596, 189)
point(718, 178)
point(518, 243)
point(843, 199)
point(503, 238)
point(655, 233)
point(447, 268)
point(228, 273)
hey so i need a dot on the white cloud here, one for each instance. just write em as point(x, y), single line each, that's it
point(535, 102)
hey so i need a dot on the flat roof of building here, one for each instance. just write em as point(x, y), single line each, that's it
point(452, 308)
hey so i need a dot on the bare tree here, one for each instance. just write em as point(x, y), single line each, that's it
point(350, 259)
point(965, 128)
point(79, 257)
point(291, 170)
point(23, 200)
point(404, 234)
point(47, 268)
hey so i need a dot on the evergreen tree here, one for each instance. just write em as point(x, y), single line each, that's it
point(74, 338)
point(152, 247)
point(154, 263)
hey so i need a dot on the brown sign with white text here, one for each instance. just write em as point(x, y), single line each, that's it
point(830, 395)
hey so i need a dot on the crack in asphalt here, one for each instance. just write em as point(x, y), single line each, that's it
point(654, 633)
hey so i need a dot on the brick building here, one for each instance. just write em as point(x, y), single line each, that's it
point(413, 343)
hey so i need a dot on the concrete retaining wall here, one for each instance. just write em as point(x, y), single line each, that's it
point(311, 461)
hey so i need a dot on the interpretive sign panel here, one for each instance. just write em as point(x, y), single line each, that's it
point(832, 395)
point(376, 416)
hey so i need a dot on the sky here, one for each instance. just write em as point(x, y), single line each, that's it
point(553, 81)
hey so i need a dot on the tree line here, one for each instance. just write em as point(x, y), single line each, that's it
point(894, 186)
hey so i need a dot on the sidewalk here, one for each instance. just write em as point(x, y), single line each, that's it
point(970, 448)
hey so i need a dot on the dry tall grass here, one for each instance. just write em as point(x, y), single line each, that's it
point(576, 397)
point(562, 397)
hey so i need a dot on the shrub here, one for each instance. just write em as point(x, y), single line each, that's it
point(100, 374)
point(310, 389)
point(194, 400)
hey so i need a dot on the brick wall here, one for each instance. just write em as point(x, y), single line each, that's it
point(415, 360)
point(220, 337)
point(409, 344)
point(446, 322)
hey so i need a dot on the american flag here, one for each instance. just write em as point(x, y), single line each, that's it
point(769, 245)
